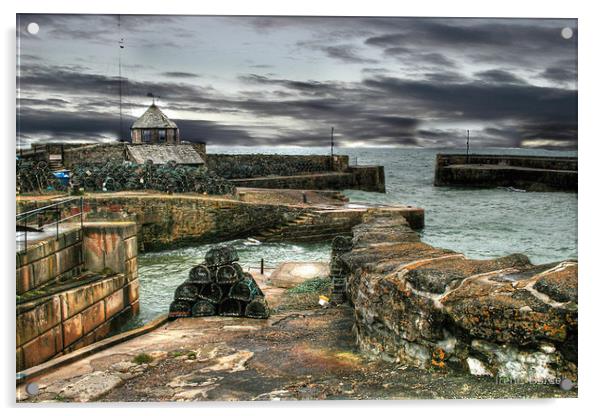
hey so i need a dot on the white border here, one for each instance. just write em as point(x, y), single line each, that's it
point(590, 153)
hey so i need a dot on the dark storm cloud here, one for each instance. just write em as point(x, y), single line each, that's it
point(346, 53)
point(68, 125)
point(470, 33)
point(562, 74)
point(499, 76)
point(431, 75)
point(71, 80)
point(445, 77)
point(313, 87)
point(77, 126)
point(366, 111)
point(478, 40)
point(484, 101)
point(177, 74)
point(416, 57)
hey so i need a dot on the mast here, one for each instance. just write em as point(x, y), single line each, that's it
point(467, 144)
point(332, 147)
point(120, 81)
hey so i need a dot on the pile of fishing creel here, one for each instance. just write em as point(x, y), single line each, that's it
point(219, 286)
point(339, 272)
point(36, 176)
point(170, 177)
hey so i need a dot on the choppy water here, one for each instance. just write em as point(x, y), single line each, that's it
point(479, 223)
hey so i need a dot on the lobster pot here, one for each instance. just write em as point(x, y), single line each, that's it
point(203, 308)
point(239, 271)
point(337, 267)
point(179, 309)
point(339, 285)
point(245, 290)
point(341, 244)
point(211, 292)
point(228, 274)
point(257, 308)
point(338, 298)
point(187, 291)
point(221, 255)
point(231, 307)
point(201, 274)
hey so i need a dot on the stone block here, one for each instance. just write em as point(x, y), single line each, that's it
point(72, 330)
point(114, 303)
point(43, 347)
point(24, 276)
point(131, 247)
point(35, 321)
point(43, 271)
point(131, 267)
point(105, 246)
point(20, 359)
point(132, 291)
point(76, 300)
point(107, 286)
point(93, 317)
point(102, 331)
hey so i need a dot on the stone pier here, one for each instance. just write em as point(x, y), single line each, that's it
point(531, 173)
point(436, 309)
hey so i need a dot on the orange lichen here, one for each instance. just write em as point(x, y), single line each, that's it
point(438, 359)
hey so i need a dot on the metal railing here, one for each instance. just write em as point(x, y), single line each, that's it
point(39, 219)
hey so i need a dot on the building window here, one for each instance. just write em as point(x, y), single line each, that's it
point(146, 136)
point(162, 136)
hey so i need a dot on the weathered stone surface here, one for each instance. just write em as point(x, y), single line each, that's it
point(114, 303)
point(93, 316)
point(105, 246)
point(561, 285)
point(37, 319)
point(43, 347)
point(90, 387)
point(430, 307)
point(72, 329)
point(293, 273)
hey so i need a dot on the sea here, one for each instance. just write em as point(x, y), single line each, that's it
point(481, 223)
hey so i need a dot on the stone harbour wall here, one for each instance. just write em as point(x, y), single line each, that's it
point(435, 308)
point(532, 162)
point(365, 178)
point(166, 221)
point(531, 173)
point(256, 165)
point(332, 181)
point(94, 154)
point(63, 316)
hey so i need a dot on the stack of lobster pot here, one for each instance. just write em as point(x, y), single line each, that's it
point(219, 286)
point(338, 269)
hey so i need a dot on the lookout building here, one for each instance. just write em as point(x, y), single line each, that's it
point(153, 127)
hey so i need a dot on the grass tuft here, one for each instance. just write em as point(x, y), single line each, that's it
point(142, 358)
point(317, 284)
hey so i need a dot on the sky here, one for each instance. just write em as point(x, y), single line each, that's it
point(285, 81)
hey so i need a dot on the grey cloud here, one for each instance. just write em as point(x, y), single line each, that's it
point(177, 74)
point(499, 76)
point(347, 53)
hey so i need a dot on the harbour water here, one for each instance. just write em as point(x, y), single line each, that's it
point(481, 223)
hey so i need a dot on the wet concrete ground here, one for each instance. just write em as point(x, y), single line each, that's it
point(302, 353)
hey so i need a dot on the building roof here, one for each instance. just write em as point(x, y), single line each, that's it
point(153, 118)
point(161, 154)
